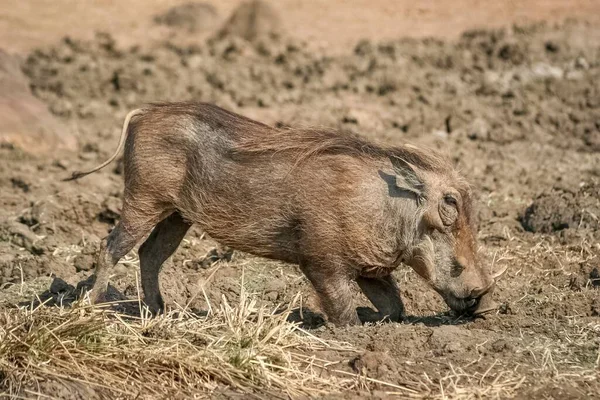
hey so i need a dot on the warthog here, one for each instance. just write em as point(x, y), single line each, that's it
point(340, 207)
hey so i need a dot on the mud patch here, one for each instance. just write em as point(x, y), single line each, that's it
point(561, 209)
point(191, 17)
point(251, 20)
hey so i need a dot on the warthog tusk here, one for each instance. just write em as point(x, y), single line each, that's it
point(478, 292)
point(499, 273)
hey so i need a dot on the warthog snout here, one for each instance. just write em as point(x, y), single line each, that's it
point(478, 302)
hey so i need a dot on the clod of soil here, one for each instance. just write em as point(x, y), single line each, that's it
point(372, 363)
point(251, 20)
point(192, 17)
point(560, 209)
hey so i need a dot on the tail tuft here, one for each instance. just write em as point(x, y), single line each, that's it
point(74, 176)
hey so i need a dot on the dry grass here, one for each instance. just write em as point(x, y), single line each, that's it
point(253, 351)
point(240, 348)
point(244, 348)
point(574, 355)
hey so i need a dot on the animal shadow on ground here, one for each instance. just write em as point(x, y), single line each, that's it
point(309, 319)
point(63, 294)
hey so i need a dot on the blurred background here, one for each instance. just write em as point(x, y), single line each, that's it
point(25, 25)
point(509, 90)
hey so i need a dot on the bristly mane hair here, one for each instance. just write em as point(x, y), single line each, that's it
point(306, 143)
point(253, 137)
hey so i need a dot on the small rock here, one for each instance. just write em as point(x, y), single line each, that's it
point(20, 184)
point(595, 277)
point(24, 237)
point(195, 61)
point(271, 296)
point(88, 156)
point(512, 52)
point(543, 70)
point(596, 308)
point(111, 211)
point(217, 254)
point(59, 286)
point(479, 129)
point(501, 345)
point(276, 285)
point(273, 289)
point(448, 339)
point(349, 119)
point(371, 363)
point(365, 119)
point(552, 47)
point(62, 163)
point(574, 75)
point(440, 134)
point(505, 309)
point(581, 63)
point(84, 262)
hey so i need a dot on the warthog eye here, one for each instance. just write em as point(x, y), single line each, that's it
point(448, 210)
point(457, 269)
point(450, 200)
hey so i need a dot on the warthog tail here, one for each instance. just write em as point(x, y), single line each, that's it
point(80, 174)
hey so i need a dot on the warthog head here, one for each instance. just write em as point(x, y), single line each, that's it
point(445, 247)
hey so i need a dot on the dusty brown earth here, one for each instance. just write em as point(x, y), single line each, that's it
point(517, 108)
point(25, 25)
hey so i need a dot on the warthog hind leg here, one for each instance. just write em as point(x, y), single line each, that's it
point(160, 245)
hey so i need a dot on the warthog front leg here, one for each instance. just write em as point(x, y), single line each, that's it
point(335, 294)
point(384, 294)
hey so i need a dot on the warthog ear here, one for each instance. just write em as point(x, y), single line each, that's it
point(407, 178)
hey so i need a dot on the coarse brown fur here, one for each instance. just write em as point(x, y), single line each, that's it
point(340, 207)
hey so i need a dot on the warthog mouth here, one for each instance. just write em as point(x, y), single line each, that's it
point(479, 300)
point(462, 306)
point(478, 303)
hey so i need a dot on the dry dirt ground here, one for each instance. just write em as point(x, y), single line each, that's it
point(517, 108)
